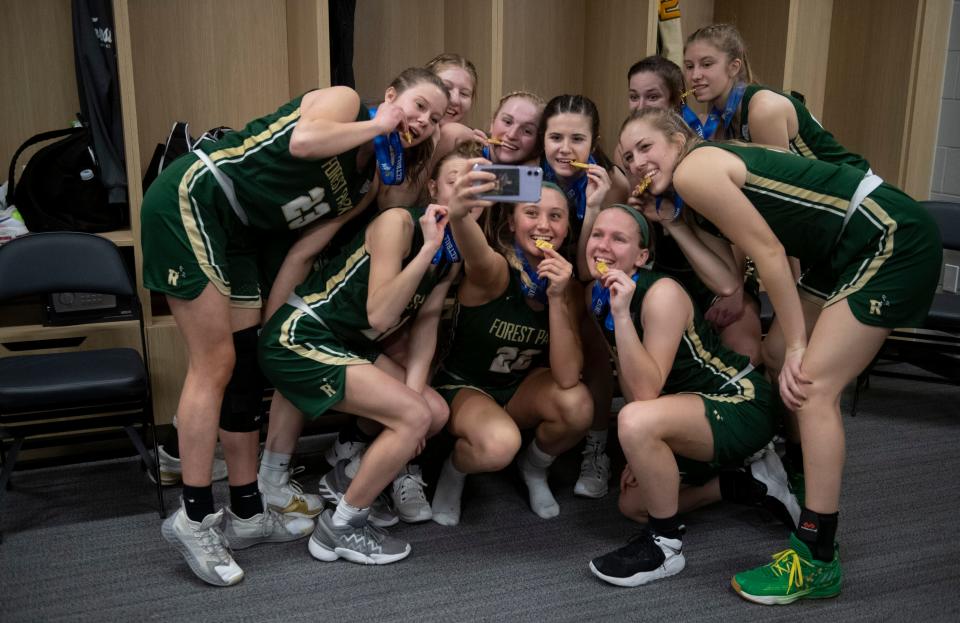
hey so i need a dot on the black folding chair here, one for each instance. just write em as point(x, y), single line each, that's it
point(60, 393)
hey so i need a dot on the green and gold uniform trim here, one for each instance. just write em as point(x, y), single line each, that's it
point(711, 360)
point(321, 353)
point(354, 262)
point(193, 225)
point(831, 204)
point(870, 265)
point(702, 364)
point(812, 140)
point(190, 214)
point(253, 144)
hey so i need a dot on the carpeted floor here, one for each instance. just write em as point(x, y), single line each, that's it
point(83, 543)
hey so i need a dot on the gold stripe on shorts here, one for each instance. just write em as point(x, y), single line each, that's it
point(720, 368)
point(324, 354)
point(195, 229)
point(801, 148)
point(879, 218)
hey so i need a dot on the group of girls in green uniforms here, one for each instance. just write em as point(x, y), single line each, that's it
point(547, 295)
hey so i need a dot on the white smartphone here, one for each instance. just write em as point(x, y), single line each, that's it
point(515, 184)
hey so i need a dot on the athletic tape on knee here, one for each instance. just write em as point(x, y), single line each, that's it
point(242, 407)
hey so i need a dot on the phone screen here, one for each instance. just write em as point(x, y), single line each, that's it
point(507, 182)
point(514, 183)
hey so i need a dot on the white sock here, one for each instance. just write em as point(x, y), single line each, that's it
point(446, 498)
point(346, 514)
point(597, 438)
point(274, 467)
point(533, 468)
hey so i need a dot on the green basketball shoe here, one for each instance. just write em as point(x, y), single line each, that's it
point(794, 574)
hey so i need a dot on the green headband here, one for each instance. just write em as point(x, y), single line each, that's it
point(546, 184)
point(641, 222)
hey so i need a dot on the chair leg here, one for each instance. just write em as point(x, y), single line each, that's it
point(156, 471)
point(9, 462)
point(149, 461)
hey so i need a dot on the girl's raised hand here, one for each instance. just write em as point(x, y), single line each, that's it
point(557, 270)
point(390, 118)
point(468, 187)
point(598, 184)
point(792, 379)
point(432, 224)
point(621, 288)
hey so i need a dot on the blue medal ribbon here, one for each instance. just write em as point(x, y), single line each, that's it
point(448, 249)
point(531, 285)
point(389, 154)
point(714, 119)
point(677, 205)
point(601, 302)
point(486, 152)
point(576, 192)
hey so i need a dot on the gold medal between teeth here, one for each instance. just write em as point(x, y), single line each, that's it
point(543, 244)
point(642, 186)
point(602, 267)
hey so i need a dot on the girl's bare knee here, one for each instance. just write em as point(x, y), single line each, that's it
point(635, 425)
point(575, 407)
point(497, 448)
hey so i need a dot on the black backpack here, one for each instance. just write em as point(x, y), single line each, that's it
point(60, 188)
point(178, 143)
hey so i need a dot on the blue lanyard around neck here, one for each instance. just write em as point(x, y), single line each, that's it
point(714, 119)
point(576, 191)
point(531, 285)
point(389, 153)
point(601, 302)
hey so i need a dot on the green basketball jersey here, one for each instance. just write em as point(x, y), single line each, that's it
point(804, 201)
point(702, 363)
point(812, 140)
point(278, 191)
point(496, 344)
point(337, 290)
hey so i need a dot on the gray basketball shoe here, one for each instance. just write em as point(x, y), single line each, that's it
point(203, 547)
point(364, 544)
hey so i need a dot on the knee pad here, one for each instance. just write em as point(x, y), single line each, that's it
point(242, 407)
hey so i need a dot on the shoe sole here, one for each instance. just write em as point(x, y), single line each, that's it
point(781, 502)
point(172, 479)
point(673, 566)
point(324, 553)
point(297, 514)
point(238, 542)
point(777, 600)
point(170, 535)
point(297, 508)
point(582, 492)
point(167, 479)
point(423, 515)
